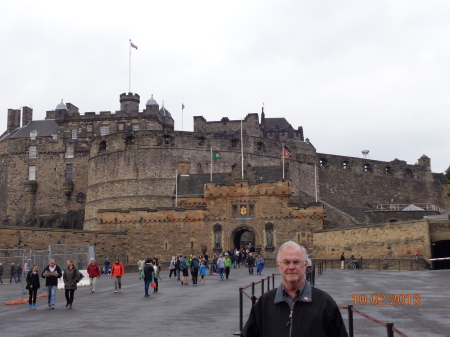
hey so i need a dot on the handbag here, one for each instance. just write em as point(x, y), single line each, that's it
point(153, 284)
point(142, 274)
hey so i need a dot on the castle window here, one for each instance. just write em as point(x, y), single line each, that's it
point(345, 165)
point(74, 134)
point(129, 141)
point(201, 141)
point(104, 130)
point(31, 172)
point(388, 170)
point(33, 134)
point(409, 173)
point(234, 143)
point(102, 146)
point(367, 168)
point(81, 197)
point(69, 152)
point(120, 126)
point(54, 136)
point(2, 176)
point(322, 162)
point(135, 127)
point(69, 171)
point(89, 128)
point(260, 146)
point(234, 211)
point(166, 139)
point(32, 152)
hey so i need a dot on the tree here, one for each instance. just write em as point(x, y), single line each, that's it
point(447, 174)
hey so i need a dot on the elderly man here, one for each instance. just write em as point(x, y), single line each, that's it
point(294, 308)
point(51, 274)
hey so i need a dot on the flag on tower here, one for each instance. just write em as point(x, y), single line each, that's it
point(182, 106)
point(216, 155)
point(287, 153)
point(133, 45)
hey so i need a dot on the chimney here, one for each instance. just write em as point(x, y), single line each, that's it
point(13, 119)
point(27, 115)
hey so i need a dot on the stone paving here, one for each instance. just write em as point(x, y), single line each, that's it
point(212, 309)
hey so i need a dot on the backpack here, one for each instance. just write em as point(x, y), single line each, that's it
point(177, 264)
point(195, 263)
point(183, 264)
point(188, 264)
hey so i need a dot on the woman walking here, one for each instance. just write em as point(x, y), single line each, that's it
point(148, 275)
point(71, 277)
point(117, 271)
point(172, 268)
point(156, 271)
point(33, 285)
point(259, 264)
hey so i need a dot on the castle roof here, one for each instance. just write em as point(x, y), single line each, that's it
point(61, 106)
point(303, 145)
point(151, 101)
point(277, 123)
point(44, 128)
point(164, 112)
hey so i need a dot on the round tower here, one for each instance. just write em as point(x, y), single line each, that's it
point(129, 102)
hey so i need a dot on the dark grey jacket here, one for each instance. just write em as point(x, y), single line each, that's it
point(315, 314)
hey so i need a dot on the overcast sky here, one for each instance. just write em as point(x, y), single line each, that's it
point(357, 75)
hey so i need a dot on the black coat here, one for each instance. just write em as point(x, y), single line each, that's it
point(33, 280)
point(51, 280)
point(315, 314)
point(148, 272)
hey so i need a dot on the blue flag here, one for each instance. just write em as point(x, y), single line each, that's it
point(182, 106)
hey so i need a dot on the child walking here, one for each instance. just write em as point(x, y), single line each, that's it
point(202, 272)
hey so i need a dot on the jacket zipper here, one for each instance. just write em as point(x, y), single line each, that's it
point(290, 326)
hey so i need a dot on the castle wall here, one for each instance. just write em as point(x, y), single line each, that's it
point(112, 244)
point(354, 191)
point(398, 240)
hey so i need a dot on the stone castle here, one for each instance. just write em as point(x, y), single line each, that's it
point(130, 172)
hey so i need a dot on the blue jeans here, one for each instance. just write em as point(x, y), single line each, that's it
point(235, 264)
point(178, 274)
point(221, 272)
point(258, 269)
point(106, 272)
point(51, 293)
point(147, 284)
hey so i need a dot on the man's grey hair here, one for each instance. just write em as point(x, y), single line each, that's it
point(292, 244)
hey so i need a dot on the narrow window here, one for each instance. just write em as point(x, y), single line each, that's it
point(135, 127)
point(102, 146)
point(388, 170)
point(367, 168)
point(322, 162)
point(69, 152)
point(89, 128)
point(120, 126)
point(104, 130)
point(69, 171)
point(32, 152)
point(345, 165)
point(74, 134)
point(31, 172)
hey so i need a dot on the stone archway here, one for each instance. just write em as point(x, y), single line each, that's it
point(243, 235)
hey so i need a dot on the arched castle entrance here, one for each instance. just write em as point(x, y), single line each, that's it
point(243, 236)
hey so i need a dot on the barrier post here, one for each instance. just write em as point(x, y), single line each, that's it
point(268, 283)
point(253, 288)
point(262, 286)
point(390, 332)
point(241, 310)
point(398, 265)
point(253, 300)
point(273, 281)
point(350, 320)
point(360, 265)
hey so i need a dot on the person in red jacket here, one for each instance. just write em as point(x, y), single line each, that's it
point(117, 271)
point(94, 273)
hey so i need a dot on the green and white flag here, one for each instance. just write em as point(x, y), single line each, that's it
point(215, 155)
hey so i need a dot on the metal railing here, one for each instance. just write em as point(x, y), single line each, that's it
point(380, 264)
point(401, 207)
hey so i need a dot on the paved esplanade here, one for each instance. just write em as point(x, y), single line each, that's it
point(212, 309)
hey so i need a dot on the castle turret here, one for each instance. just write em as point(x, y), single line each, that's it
point(129, 102)
point(13, 119)
point(27, 115)
point(425, 162)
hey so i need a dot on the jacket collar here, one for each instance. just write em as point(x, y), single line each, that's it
point(306, 295)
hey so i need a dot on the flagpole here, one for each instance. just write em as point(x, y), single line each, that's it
point(182, 118)
point(176, 188)
point(211, 162)
point(282, 155)
point(315, 179)
point(242, 153)
point(129, 70)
